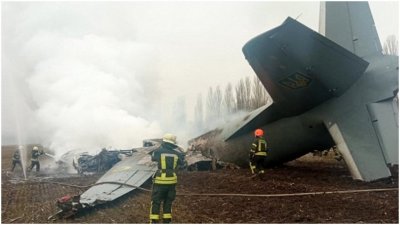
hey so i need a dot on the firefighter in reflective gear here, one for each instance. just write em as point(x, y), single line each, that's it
point(168, 158)
point(16, 159)
point(35, 158)
point(258, 152)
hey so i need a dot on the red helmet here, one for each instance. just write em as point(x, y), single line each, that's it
point(259, 133)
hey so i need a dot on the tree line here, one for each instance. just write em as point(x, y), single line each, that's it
point(246, 95)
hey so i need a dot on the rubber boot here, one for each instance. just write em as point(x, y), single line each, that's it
point(167, 220)
point(261, 175)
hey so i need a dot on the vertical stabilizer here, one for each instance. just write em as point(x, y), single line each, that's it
point(350, 24)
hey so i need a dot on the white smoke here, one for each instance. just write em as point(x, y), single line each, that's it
point(85, 74)
point(86, 91)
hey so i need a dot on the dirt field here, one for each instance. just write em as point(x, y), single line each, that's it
point(33, 202)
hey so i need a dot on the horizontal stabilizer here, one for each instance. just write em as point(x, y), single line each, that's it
point(252, 121)
point(301, 68)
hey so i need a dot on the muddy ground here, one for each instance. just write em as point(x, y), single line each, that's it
point(33, 201)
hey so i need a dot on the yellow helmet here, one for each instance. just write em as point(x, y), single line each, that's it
point(35, 148)
point(170, 138)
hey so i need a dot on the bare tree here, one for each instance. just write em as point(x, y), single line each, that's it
point(247, 94)
point(240, 93)
point(217, 101)
point(198, 112)
point(210, 105)
point(391, 46)
point(259, 94)
point(229, 101)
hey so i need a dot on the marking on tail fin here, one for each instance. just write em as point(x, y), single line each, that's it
point(296, 81)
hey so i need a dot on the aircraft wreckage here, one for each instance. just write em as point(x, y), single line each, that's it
point(333, 90)
point(125, 171)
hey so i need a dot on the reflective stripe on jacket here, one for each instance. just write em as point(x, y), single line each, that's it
point(35, 155)
point(259, 147)
point(168, 160)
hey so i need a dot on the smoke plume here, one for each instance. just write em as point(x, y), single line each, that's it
point(85, 89)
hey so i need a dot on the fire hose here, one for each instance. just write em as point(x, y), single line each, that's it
point(237, 194)
point(69, 206)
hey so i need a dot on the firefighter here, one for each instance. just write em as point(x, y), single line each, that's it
point(168, 158)
point(258, 152)
point(35, 158)
point(16, 159)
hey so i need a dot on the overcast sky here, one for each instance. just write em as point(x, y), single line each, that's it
point(92, 74)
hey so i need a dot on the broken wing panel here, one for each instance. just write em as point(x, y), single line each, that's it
point(301, 68)
point(134, 170)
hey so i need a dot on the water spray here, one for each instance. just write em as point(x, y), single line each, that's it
point(22, 150)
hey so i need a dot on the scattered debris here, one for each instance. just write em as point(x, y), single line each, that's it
point(125, 170)
point(69, 206)
point(105, 160)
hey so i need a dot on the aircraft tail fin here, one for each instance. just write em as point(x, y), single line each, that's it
point(350, 24)
point(300, 68)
